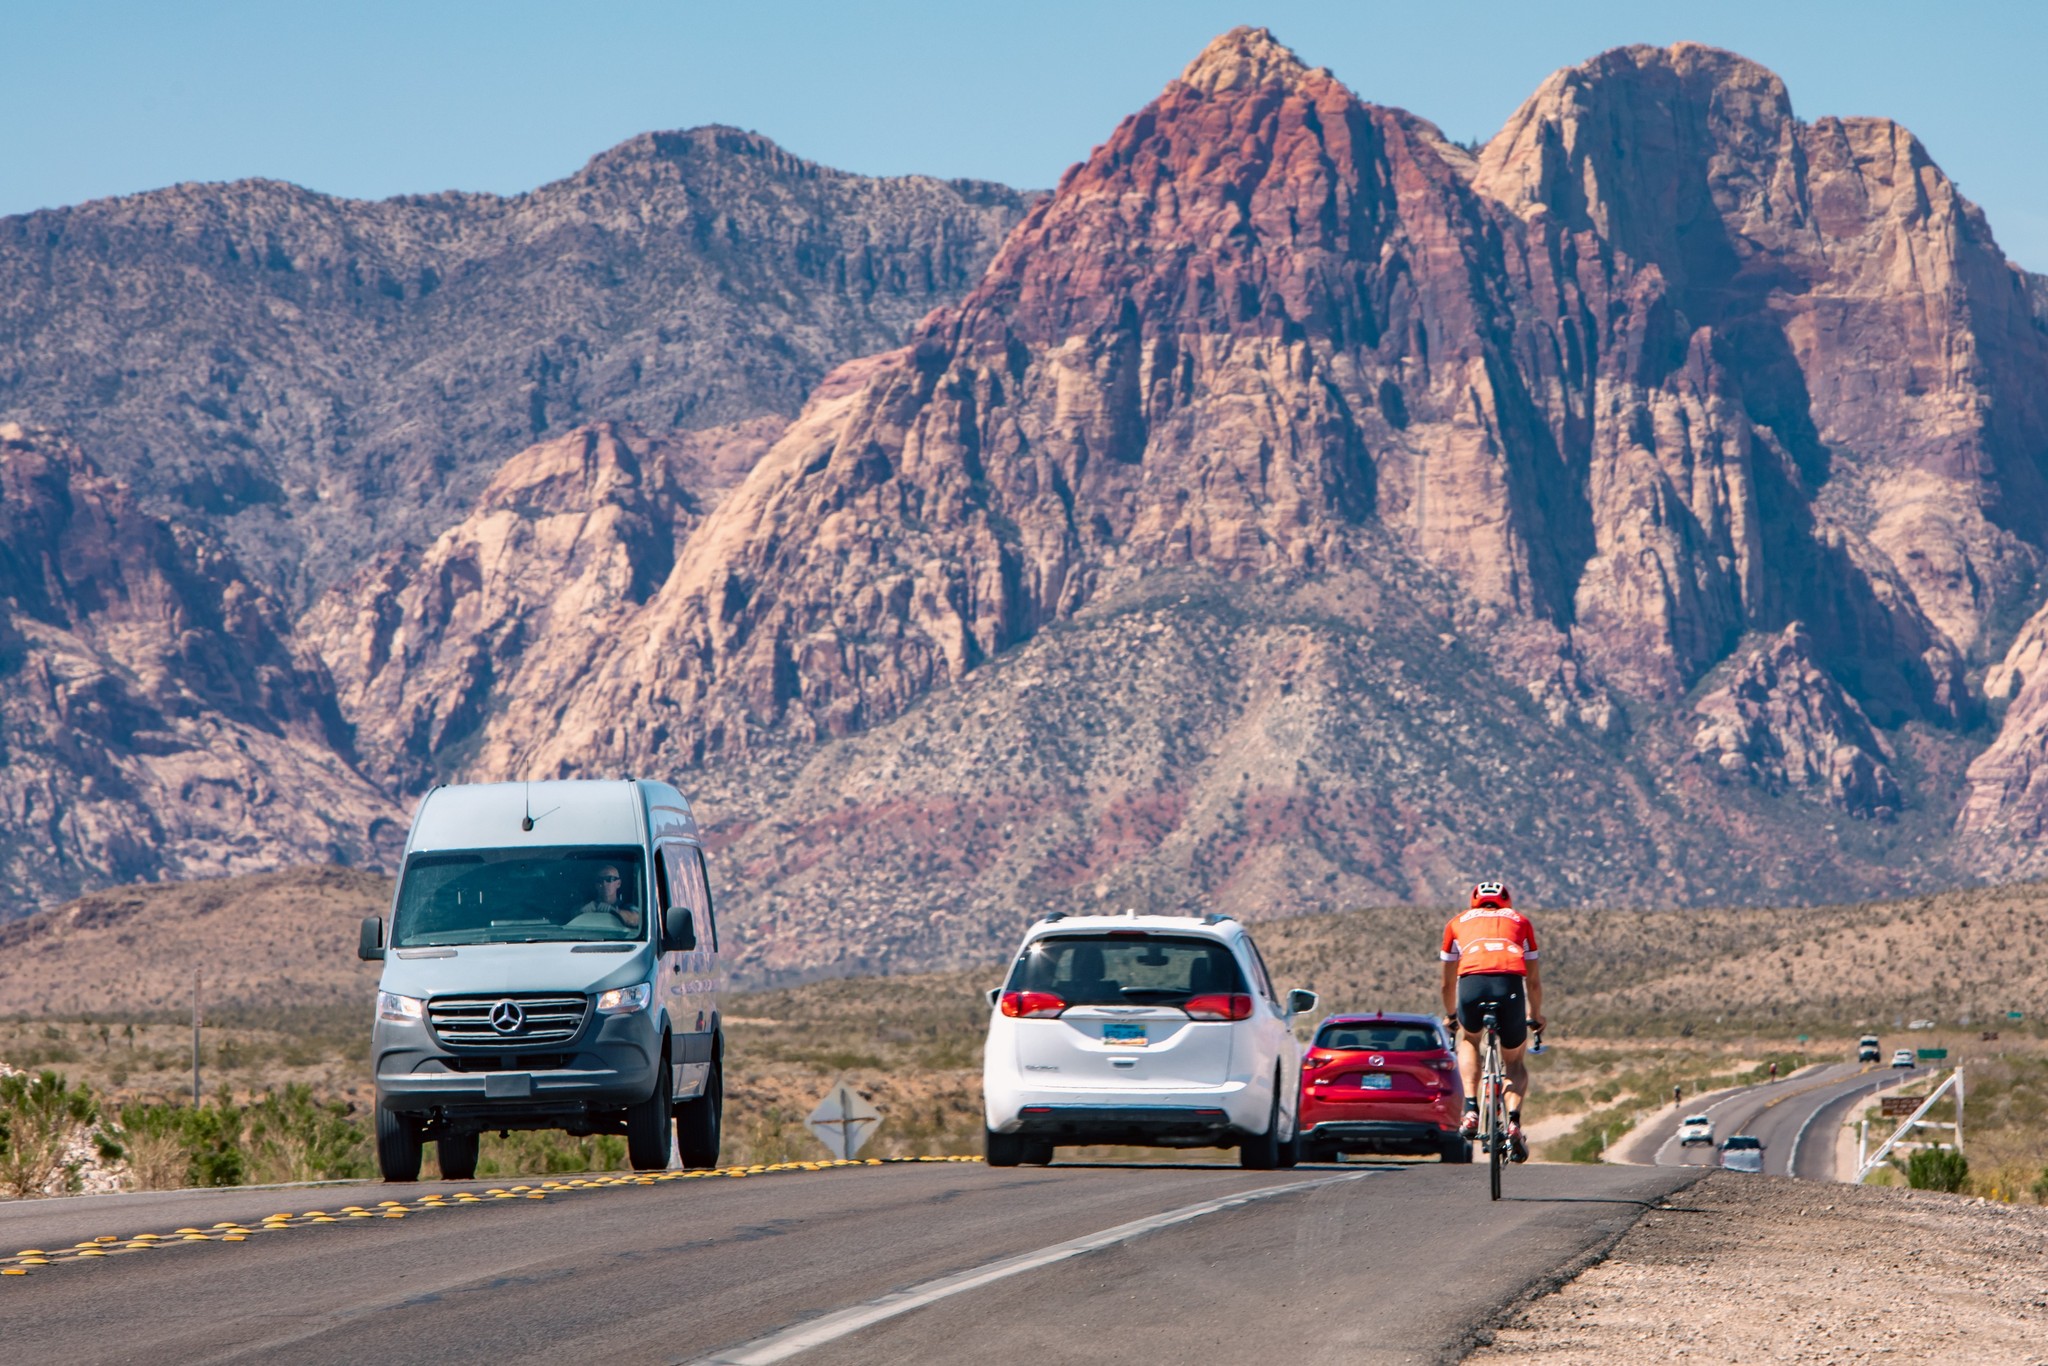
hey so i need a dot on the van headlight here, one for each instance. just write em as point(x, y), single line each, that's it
point(624, 1000)
point(400, 1009)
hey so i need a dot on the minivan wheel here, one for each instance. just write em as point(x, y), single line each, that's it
point(648, 1125)
point(700, 1123)
point(456, 1154)
point(1003, 1150)
point(1038, 1152)
point(398, 1146)
point(1261, 1153)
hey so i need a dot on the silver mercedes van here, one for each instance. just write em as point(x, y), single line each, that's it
point(550, 962)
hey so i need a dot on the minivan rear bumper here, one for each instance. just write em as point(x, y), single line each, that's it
point(1190, 1116)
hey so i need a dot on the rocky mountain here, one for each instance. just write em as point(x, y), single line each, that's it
point(316, 379)
point(157, 717)
point(1303, 510)
point(1712, 439)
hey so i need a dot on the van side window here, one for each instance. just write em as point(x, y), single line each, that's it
point(661, 888)
point(690, 889)
point(710, 906)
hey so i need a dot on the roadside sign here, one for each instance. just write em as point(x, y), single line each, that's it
point(1932, 1054)
point(1898, 1107)
point(844, 1120)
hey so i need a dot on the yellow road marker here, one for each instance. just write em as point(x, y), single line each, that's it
point(14, 1271)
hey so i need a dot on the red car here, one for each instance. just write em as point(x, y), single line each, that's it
point(1381, 1084)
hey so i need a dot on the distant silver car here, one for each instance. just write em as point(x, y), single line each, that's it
point(1695, 1129)
point(1903, 1058)
point(1743, 1153)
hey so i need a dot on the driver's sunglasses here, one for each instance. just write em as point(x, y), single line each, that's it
point(609, 877)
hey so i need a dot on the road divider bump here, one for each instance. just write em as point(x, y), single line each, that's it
point(229, 1231)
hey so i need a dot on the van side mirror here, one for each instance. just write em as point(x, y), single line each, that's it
point(678, 930)
point(994, 994)
point(370, 939)
point(1301, 1002)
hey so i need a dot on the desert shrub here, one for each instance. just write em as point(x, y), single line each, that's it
point(1937, 1169)
point(293, 1137)
point(42, 1119)
point(208, 1136)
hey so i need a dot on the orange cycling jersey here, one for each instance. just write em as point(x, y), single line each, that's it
point(1490, 941)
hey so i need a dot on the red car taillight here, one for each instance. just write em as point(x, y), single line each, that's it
point(1233, 1007)
point(1315, 1060)
point(1032, 1005)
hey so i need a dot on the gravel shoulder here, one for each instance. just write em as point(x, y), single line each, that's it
point(1755, 1269)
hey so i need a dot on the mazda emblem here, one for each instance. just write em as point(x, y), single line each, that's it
point(1376, 1060)
point(507, 1017)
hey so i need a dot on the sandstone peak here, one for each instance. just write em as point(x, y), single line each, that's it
point(1243, 59)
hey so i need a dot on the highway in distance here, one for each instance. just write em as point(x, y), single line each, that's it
point(911, 1262)
point(1797, 1119)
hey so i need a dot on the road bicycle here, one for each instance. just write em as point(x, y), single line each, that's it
point(1493, 1082)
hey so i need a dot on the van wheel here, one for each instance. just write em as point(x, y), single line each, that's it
point(398, 1146)
point(1003, 1150)
point(647, 1125)
point(456, 1154)
point(1038, 1152)
point(700, 1123)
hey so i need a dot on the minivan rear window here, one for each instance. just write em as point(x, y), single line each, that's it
point(520, 896)
point(1387, 1037)
point(1112, 969)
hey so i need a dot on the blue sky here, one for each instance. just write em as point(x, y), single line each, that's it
point(374, 98)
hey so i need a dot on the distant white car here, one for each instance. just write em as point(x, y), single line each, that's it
point(1903, 1058)
point(1920, 1024)
point(1695, 1129)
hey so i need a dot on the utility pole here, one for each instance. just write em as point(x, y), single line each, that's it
point(197, 975)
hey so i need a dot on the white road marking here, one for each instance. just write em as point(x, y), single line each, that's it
point(817, 1332)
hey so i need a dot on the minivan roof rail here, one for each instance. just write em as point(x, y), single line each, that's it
point(1217, 917)
point(1052, 915)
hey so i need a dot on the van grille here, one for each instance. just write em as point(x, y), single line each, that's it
point(466, 1021)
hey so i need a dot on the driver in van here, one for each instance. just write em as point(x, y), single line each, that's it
point(607, 908)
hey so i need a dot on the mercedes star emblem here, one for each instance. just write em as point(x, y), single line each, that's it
point(506, 1017)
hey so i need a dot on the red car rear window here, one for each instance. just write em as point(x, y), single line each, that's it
point(1383, 1037)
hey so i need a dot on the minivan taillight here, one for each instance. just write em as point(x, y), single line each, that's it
point(1234, 1007)
point(1031, 1005)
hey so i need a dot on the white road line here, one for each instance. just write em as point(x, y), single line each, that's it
point(817, 1332)
point(1792, 1162)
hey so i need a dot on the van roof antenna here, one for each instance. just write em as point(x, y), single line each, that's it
point(526, 821)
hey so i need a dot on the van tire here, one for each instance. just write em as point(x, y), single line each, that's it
point(457, 1154)
point(700, 1123)
point(398, 1146)
point(1038, 1152)
point(1261, 1152)
point(648, 1131)
point(1002, 1150)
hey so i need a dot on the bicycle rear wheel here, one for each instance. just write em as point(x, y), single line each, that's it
point(1496, 1119)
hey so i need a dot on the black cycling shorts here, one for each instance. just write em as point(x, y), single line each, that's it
point(1503, 994)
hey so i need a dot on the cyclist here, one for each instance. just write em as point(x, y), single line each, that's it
point(1489, 958)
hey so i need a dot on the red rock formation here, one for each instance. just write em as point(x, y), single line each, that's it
point(155, 717)
point(570, 538)
point(1265, 323)
point(2008, 782)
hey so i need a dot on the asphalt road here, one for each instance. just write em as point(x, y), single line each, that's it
point(1796, 1118)
point(900, 1263)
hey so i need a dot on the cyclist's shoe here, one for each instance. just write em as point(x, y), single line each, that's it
point(1468, 1127)
point(1518, 1146)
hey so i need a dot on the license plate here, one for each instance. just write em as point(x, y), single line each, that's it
point(1375, 1081)
point(1123, 1035)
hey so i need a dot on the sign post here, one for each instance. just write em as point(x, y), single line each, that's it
point(844, 1120)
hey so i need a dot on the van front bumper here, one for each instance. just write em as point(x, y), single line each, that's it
point(611, 1064)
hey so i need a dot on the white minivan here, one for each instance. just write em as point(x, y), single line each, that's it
point(551, 962)
point(1150, 1030)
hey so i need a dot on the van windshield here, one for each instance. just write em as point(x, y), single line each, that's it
point(1116, 969)
point(520, 896)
